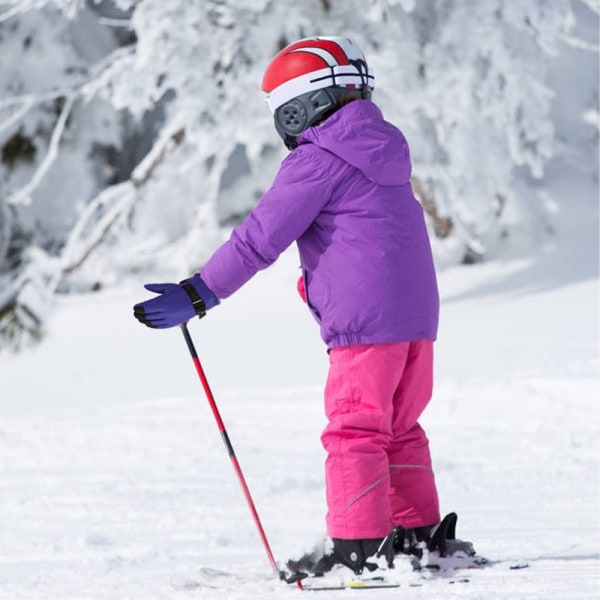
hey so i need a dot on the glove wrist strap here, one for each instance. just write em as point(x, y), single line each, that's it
point(197, 301)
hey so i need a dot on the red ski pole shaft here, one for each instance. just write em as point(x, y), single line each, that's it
point(230, 450)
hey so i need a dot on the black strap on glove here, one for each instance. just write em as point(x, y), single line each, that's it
point(197, 301)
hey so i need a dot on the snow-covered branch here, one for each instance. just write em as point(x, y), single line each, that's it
point(27, 299)
point(593, 5)
point(113, 204)
point(18, 114)
point(19, 7)
point(5, 225)
point(115, 22)
point(576, 42)
point(38, 98)
point(23, 195)
point(98, 79)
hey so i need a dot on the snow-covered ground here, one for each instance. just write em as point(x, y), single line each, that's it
point(114, 482)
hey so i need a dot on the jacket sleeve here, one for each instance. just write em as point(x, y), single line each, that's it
point(301, 189)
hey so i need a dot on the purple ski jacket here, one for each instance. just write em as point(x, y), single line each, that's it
point(344, 196)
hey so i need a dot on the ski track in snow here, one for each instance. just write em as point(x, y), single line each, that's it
point(114, 482)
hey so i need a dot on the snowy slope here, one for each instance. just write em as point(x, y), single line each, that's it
point(114, 482)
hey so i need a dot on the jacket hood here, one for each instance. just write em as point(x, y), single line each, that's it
point(358, 134)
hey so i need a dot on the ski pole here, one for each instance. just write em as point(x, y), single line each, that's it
point(227, 442)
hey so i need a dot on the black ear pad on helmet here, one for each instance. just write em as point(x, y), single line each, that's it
point(293, 117)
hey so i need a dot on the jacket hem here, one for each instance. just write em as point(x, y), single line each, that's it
point(352, 339)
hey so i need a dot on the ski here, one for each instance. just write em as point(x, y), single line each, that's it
point(452, 574)
point(422, 578)
point(212, 578)
point(313, 585)
point(319, 584)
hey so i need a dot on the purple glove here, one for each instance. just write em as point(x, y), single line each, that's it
point(177, 303)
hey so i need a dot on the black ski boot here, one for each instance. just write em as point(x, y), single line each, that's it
point(411, 541)
point(312, 564)
point(354, 554)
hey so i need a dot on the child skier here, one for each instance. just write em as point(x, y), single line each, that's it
point(343, 194)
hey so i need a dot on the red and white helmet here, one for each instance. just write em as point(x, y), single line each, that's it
point(312, 64)
point(297, 73)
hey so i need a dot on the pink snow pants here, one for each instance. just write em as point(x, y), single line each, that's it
point(378, 470)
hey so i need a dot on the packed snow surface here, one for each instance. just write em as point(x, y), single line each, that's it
point(114, 481)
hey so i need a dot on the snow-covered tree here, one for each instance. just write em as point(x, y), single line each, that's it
point(55, 149)
point(467, 81)
point(474, 100)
